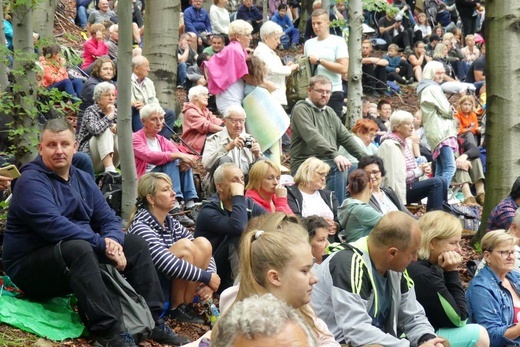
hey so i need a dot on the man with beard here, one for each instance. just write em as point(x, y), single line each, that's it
point(317, 131)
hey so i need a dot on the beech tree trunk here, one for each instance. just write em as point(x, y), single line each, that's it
point(24, 90)
point(503, 96)
point(43, 19)
point(3, 48)
point(355, 72)
point(124, 118)
point(160, 47)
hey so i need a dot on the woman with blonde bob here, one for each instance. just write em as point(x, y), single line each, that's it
point(493, 294)
point(265, 189)
point(308, 196)
point(183, 263)
point(275, 257)
point(437, 283)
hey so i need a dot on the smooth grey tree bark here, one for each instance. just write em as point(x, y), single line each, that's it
point(3, 67)
point(124, 118)
point(503, 96)
point(24, 85)
point(43, 19)
point(161, 38)
point(355, 72)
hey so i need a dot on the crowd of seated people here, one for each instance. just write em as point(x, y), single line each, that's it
point(391, 173)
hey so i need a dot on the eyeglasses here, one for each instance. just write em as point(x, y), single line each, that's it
point(373, 172)
point(506, 254)
point(323, 92)
point(236, 121)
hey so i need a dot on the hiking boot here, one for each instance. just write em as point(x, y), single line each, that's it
point(182, 314)
point(182, 218)
point(163, 334)
point(119, 340)
point(408, 50)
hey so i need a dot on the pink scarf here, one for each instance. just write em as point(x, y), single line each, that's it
point(226, 67)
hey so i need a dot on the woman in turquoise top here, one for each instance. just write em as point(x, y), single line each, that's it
point(355, 215)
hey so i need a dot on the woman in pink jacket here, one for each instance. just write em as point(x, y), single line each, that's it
point(198, 121)
point(155, 153)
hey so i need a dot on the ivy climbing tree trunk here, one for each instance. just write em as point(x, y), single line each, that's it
point(503, 94)
point(44, 19)
point(124, 118)
point(161, 38)
point(25, 127)
point(355, 72)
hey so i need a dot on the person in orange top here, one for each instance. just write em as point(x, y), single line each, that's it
point(55, 73)
point(466, 116)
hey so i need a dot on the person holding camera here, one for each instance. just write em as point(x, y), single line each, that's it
point(230, 145)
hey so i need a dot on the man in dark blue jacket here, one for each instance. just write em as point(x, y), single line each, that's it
point(250, 14)
point(224, 217)
point(60, 228)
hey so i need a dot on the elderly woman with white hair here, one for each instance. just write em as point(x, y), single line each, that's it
point(438, 121)
point(228, 70)
point(155, 153)
point(270, 33)
point(198, 121)
point(98, 134)
point(402, 171)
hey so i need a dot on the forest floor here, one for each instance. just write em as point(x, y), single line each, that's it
point(11, 337)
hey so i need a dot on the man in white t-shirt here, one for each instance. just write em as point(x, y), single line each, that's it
point(330, 55)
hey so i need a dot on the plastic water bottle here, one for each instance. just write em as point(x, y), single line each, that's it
point(212, 311)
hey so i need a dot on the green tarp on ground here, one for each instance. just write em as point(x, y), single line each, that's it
point(53, 319)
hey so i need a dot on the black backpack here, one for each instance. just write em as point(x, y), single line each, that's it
point(110, 184)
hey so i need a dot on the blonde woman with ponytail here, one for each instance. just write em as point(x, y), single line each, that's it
point(275, 257)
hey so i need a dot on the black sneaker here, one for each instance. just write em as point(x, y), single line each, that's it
point(182, 217)
point(163, 334)
point(123, 340)
point(183, 314)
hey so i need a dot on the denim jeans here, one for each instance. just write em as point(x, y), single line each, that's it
point(82, 161)
point(181, 73)
point(434, 188)
point(445, 165)
point(169, 119)
point(183, 184)
point(82, 17)
point(71, 87)
point(337, 181)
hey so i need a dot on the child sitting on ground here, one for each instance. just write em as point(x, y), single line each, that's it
point(398, 68)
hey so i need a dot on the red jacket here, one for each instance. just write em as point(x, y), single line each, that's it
point(196, 125)
point(93, 49)
point(280, 203)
